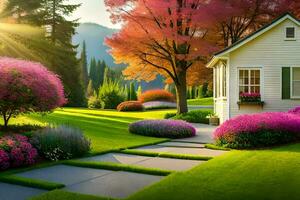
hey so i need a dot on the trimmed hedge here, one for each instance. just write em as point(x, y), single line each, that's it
point(258, 130)
point(163, 128)
point(156, 95)
point(130, 106)
point(195, 116)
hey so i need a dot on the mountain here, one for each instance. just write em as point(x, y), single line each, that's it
point(94, 36)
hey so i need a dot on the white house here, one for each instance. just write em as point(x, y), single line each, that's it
point(265, 62)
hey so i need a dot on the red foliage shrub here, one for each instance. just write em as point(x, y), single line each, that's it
point(130, 106)
point(156, 95)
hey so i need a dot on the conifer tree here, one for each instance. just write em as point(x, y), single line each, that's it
point(84, 66)
point(133, 95)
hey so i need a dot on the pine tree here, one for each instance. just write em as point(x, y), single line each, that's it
point(103, 66)
point(90, 89)
point(133, 95)
point(140, 90)
point(93, 72)
point(84, 68)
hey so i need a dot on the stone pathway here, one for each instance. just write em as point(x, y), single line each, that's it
point(16, 192)
point(117, 184)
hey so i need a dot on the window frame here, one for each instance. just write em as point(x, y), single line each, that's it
point(220, 81)
point(285, 33)
point(249, 69)
point(292, 83)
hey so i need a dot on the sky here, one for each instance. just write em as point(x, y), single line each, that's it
point(92, 11)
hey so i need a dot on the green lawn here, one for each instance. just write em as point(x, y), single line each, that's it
point(108, 130)
point(201, 102)
point(266, 174)
point(258, 174)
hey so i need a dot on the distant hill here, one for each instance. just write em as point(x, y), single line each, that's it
point(94, 36)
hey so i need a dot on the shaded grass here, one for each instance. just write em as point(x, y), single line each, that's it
point(64, 195)
point(118, 167)
point(165, 155)
point(261, 175)
point(201, 102)
point(35, 183)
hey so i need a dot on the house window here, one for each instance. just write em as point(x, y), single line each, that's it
point(290, 33)
point(249, 81)
point(296, 81)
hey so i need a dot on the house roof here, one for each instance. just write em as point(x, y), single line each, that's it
point(222, 54)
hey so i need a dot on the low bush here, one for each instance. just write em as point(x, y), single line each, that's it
point(156, 95)
point(258, 130)
point(152, 105)
point(16, 151)
point(130, 106)
point(169, 115)
point(195, 116)
point(20, 129)
point(163, 128)
point(111, 95)
point(61, 143)
point(295, 111)
point(94, 102)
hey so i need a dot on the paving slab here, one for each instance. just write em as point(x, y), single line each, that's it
point(169, 163)
point(204, 134)
point(183, 150)
point(116, 185)
point(182, 144)
point(64, 174)
point(117, 158)
point(16, 192)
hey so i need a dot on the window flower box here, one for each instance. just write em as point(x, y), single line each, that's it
point(253, 99)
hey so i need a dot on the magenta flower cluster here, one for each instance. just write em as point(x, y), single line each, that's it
point(278, 121)
point(163, 128)
point(16, 151)
point(295, 111)
point(250, 97)
point(29, 86)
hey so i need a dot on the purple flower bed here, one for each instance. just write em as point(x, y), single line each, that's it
point(163, 128)
point(259, 130)
point(159, 105)
point(16, 151)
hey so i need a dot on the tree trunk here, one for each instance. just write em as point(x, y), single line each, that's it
point(181, 93)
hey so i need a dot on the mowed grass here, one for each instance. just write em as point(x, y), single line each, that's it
point(261, 175)
point(201, 102)
point(108, 130)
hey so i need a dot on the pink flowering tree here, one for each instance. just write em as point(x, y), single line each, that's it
point(27, 87)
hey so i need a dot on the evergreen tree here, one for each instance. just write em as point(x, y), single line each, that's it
point(204, 89)
point(127, 91)
point(133, 95)
point(93, 72)
point(140, 90)
point(103, 66)
point(90, 89)
point(84, 66)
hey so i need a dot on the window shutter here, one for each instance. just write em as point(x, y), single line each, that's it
point(286, 83)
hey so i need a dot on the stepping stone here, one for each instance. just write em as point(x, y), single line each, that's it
point(17, 192)
point(182, 144)
point(116, 185)
point(117, 158)
point(64, 174)
point(169, 164)
point(175, 150)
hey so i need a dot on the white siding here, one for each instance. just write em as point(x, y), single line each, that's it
point(271, 52)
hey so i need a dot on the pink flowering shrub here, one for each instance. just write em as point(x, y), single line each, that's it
point(258, 130)
point(295, 111)
point(27, 87)
point(250, 97)
point(16, 151)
